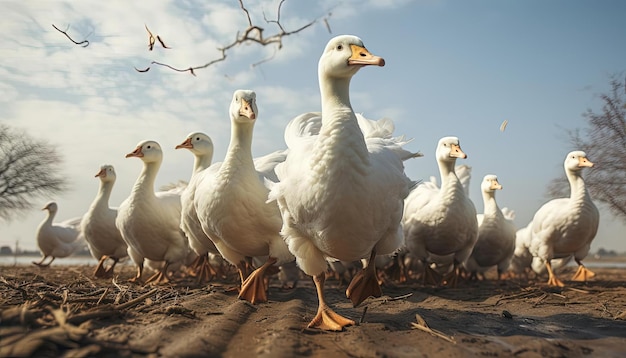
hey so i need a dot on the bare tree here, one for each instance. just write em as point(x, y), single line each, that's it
point(604, 141)
point(29, 169)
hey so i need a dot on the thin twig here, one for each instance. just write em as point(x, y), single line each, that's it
point(363, 315)
point(83, 43)
point(577, 290)
point(103, 296)
point(137, 300)
point(423, 326)
point(399, 297)
point(253, 33)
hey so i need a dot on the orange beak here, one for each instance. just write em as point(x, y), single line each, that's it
point(101, 173)
point(584, 162)
point(495, 185)
point(186, 144)
point(456, 152)
point(360, 56)
point(135, 153)
point(247, 110)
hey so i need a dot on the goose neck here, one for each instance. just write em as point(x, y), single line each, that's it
point(145, 181)
point(104, 194)
point(446, 172)
point(490, 205)
point(240, 147)
point(335, 94)
point(202, 162)
point(578, 190)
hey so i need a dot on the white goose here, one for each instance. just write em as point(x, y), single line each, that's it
point(441, 221)
point(57, 239)
point(340, 193)
point(230, 201)
point(566, 226)
point(496, 234)
point(521, 260)
point(98, 226)
point(201, 146)
point(150, 222)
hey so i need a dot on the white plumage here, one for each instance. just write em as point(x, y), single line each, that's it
point(57, 239)
point(522, 260)
point(201, 146)
point(341, 188)
point(231, 205)
point(441, 221)
point(566, 226)
point(98, 225)
point(150, 222)
point(496, 233)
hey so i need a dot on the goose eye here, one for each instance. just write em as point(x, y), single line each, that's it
point(149, 147)
point(197, 138)
point(339, 47)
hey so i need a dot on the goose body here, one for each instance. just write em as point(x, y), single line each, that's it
point(522, 260)
point(150, 222)
point(57, 239)
point(98, 225)
point(341, 190)
point(496, 233)
point(566, 226)
point(231, 204)
point(441, 221)
point(201, 146)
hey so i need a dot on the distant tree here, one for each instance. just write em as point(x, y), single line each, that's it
point(29, 169)
point(604, 141)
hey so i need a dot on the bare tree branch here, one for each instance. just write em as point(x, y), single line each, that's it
point(83, 43)
point(252, 34)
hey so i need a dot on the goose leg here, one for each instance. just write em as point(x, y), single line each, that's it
point(430, 276)
point(245, 268)
point(194, 267)
point(365, 283)
point(254, 289)
point(452, 278)
point(582, 274)
point(206, 270)
point(40, 263)
point(49, 262)
point(109, 271)
point(552, 280)
point(326, 319)
point(160, 277)
point(100, 272)
point(397, 271)
point(137, 277)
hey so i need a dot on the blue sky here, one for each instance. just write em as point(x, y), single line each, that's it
point(453, 68)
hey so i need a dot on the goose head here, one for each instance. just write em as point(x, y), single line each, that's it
point(198, 143)
point(106, 173)
point(344, 55)
point(490, 184)
point(576, 161)
point(51, 207)
point(148, 151)
point(449, 149)
point(243, 107)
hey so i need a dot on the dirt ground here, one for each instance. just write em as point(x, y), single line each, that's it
point(64, 311)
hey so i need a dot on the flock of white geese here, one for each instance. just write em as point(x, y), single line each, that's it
point(338, 193)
